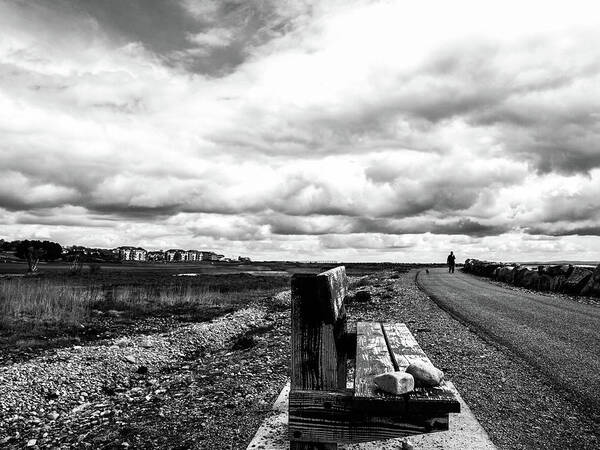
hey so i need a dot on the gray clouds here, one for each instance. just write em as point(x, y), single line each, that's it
point(298, 126)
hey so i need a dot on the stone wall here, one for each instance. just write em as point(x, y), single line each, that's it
point(573, 280)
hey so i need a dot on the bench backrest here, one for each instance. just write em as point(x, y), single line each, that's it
point(318, 356)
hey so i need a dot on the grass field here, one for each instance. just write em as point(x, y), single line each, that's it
point(58, 301)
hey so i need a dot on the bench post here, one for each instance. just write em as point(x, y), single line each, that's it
point(318, 354)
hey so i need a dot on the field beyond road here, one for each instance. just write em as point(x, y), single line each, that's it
point(560, 337)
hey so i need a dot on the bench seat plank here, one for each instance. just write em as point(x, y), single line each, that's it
point(406, 350)
point(372, 358)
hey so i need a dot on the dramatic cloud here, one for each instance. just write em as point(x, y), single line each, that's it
point(302, 129)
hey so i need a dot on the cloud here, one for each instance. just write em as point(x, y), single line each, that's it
point(366, 241)
point(301, 127)
point(215, 37)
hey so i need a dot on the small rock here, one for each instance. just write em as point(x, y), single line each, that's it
point(362, 296)
point(425, 374)
point(395, 382)
point(52, 395)
point(407, 445)
point(53, 415)
point(129, 359)
point(244, 343)
point(31, 442)
point(146, 343)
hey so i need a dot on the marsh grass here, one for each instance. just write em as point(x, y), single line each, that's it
point(36, 304)
point(174, 298)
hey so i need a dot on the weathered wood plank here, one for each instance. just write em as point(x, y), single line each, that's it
point(307, 402)
point(372, 358)
point(406, 350)
point(334, 417)
point(404, 345)
point(334, 286)
point(318, 345)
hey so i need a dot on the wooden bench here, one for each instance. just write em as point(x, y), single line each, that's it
point(322, 410)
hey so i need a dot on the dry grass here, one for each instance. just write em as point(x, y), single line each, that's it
point(34, 303)
point(174, 297)
point(26, 302)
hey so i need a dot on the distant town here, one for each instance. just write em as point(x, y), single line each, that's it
point(127, 253)
point(52, 251)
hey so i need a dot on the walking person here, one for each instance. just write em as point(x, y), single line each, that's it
point(451, 260)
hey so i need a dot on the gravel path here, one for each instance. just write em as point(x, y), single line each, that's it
point(516, 406)
point(557, 336)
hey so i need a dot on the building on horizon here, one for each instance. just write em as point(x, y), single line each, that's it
point(211, 256)
point(175, 255)
point(156, 256)
point(193, 255)
point(128, 253)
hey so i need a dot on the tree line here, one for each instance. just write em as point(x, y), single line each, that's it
point(46, 250)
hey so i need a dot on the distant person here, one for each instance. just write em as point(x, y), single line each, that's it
point(451, 261)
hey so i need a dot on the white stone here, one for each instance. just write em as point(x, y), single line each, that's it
point(425, 374)
point(395, 382)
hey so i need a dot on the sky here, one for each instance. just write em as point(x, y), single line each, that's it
point(304, 130)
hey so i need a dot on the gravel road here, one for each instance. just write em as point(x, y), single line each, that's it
point(559, 337)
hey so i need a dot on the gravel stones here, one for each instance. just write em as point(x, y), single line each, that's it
point(61, 390)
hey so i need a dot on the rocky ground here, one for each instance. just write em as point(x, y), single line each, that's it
point(209, 385)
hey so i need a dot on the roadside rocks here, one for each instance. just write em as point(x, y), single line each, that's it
point(577, 280)
point(592, 288)
point(505, 273)
point(482, 268)
point(563, 278)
